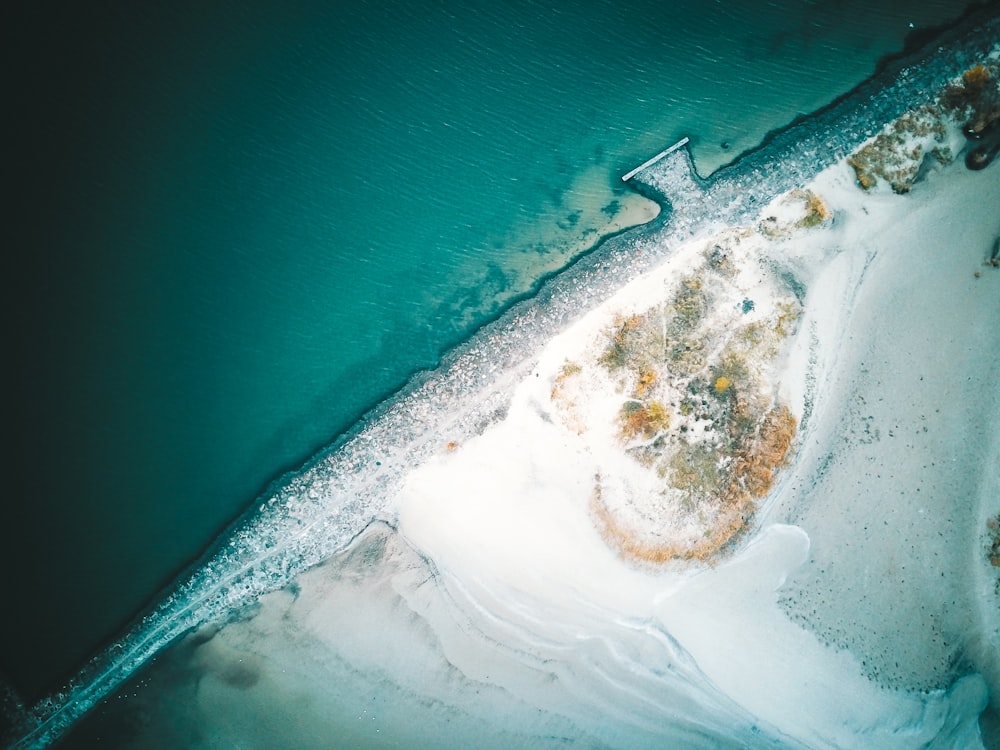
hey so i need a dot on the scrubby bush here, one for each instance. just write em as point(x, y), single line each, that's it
point(762, 453)
point(646, 380)
point(896, 154)
point(622, 342)
point(976, 97)
point(817, 211)
point(688, 305)
point(646, 420)
point(993, 553)
point(567, 371)
point(694, 412)
point(732, 370)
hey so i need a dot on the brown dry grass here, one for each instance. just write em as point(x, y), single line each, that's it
point(892, 155)
point(993, 553)
point(647, 420)
point(568, 370)
point(756, 462)
point(751, 479)
point(629, 544)
point(976, 78)
point(975, 96)
point(816, 210)
point(646, 380)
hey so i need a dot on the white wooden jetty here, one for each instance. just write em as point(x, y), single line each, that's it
point(649, 162)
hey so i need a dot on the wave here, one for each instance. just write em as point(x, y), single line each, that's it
point(307, 517)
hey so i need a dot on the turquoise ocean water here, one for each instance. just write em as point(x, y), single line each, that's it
point(237, 229)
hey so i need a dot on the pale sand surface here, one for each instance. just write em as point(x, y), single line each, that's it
point(895, 479)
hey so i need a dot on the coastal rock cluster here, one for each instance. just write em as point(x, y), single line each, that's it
point(933, 132)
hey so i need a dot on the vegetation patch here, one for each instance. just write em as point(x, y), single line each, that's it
point(625, 342)
point(724, 495)
point(564, 393)
point(689, 304)
point(975, 97)
point(645, 420)
point(695, 416)
point(799, 209)
point(993, 550)
point(816, 210)
point(567, 371)
point(897, 154)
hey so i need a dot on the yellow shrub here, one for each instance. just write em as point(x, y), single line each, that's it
point(647, 379)
point(637, 419)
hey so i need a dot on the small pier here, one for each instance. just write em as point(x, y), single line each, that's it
point(650, 162)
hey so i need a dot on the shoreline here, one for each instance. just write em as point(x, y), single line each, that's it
point(867, 266)
point(475, 368)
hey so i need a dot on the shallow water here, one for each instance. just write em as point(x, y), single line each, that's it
point(268, 220)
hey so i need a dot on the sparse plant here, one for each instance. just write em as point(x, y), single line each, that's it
point(975, 97)
point(742, 419)
point(634, 343)
point(697, 418)
point(689, 304)
point(864, 172)
point(718, 260)
point(646, 380)
point(750, 335)
point(817, 211)
point(567, 371)
point(993, 552)
point(731, 370)
point(788, 314)
point(897, 153)
point(685, 356)
point(637, 419)
point(694, 468)
point(621, 342)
